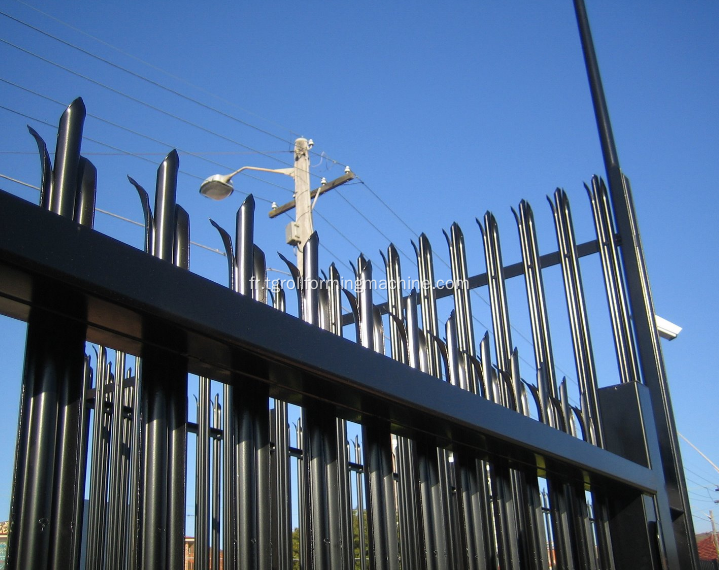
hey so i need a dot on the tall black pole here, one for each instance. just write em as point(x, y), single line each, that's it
point(672, 501)
point(606, 136)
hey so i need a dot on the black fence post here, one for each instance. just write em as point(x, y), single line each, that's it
point(49, 458)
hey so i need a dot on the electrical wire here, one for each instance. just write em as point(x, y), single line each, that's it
point(141, 102)
point(356, 209)
point(142, 77)
point(112, 214)
point(174, 77)
point(163, 71)
point(713, 483)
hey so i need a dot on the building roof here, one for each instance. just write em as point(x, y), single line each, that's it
point(705, 545)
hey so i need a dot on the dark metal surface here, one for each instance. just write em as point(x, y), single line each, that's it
point(624, 341)
point(67, 160)
point(202, 477)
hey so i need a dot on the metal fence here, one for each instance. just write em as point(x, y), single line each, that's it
point(440, 454)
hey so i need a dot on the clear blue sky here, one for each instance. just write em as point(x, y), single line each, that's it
point(444, 110)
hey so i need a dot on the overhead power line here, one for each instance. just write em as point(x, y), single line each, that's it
point(113, 215)
point(143, 78)
point(139, 101)
point(156, 68)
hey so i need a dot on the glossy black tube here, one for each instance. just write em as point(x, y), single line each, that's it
point(202, 476)
point(67, 158)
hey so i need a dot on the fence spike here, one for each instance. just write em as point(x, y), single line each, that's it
point(45, 169)
point(581, 340)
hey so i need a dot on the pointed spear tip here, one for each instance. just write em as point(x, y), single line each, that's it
point(134, 182)
point(33, 132)
point(171, 163)
point(250, 201)
point(77, 106)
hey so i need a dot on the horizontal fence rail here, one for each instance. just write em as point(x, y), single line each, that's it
point(420, 445)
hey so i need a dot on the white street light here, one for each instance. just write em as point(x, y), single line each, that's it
point(667, 329)
point(219, 186)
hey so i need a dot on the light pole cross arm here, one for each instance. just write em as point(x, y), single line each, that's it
point(331, 185)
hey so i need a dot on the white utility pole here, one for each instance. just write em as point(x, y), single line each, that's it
point(298, 232)
point(303, 226)
point(714, 533)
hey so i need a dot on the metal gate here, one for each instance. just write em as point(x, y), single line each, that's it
point(460, 460)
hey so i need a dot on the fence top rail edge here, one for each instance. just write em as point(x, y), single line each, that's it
point(132, 301)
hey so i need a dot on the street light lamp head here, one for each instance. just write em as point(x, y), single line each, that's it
point(217, 186)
